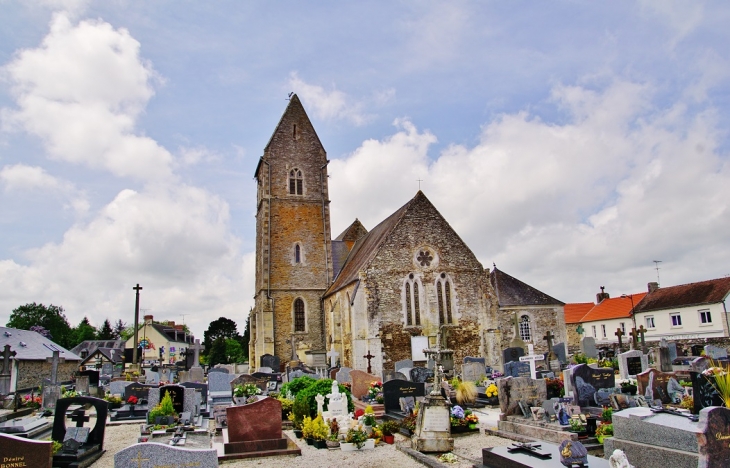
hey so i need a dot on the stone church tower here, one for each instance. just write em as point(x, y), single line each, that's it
point(293, 243)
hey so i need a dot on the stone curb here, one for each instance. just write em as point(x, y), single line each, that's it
point(420, 458)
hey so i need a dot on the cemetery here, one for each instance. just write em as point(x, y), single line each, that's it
point(628, 408)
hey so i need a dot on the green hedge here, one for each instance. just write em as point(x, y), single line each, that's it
point(320, 387)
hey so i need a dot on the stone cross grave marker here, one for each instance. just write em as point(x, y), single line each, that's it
point(51, 389)
point(642, 331)
point(634, 338)
point(333, 355)
point(197, 348)
point(619, 333)
point(5, 374)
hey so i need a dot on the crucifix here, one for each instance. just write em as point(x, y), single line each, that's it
point(137, 288)
point(641, 331)
point(549, 338)
point(197, 348)
point(6, 355)
point(634, 338)
point(369, 356)
point(619, 333)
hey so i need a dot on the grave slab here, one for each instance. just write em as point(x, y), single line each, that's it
point(154, 454)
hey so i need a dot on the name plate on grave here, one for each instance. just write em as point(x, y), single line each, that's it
point(436, 419)
point(633, 364)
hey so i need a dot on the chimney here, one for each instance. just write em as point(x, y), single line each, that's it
point(653, 286)
point(178, 327)
point(170, 323)
point(148, 320)
point(602, 295)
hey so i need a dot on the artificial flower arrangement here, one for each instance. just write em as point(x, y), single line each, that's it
point(375, 390)
point(246, 390)
point(132, 400)
point(496, 373)
point(491, 391)
point(32, 401)
point(556, 385)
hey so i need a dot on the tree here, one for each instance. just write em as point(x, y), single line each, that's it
point(119, 328)
point(82, 332)
point(105, 332)
point(49, 317)
point(234, 351)
point(217, 354)
point(246, 339)
point(221, 328)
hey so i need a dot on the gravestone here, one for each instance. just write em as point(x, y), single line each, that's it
point(361, 383)
point(406, 371)
point(704, 393)
point(406, 363)
point(93, 447)
point(219, 388)
point(116, 387)
point(343, 375)
point(401, 376)
point(715, 352)
point(183, 398)
point(336, 403)
point(261, 383)
point(82, 384)
point(696, 350)
point(472, 371)
point(93, 377)
point(22, 452)
point(653, 385)
point(480, 360)
point(51, 394)
point(715, 423)
point(632, 363)
point(602, 397)
point(559, 351)
point(586, 380)
point(517, 369)
point(672, 350)
point(221, 370)
point(394, 390)
point(699, 364)
point(512, 390)
point(219, 416)
point(274, 362)
point(265, 370)
point(198, 386)
point(588, 347)
point(158, 455)
point(165, 375)
point(183, 376)
point(252, 429)
point(107, 368)
point(141, 391)
point(512, 354)
point(421, 374)
point(25, 427)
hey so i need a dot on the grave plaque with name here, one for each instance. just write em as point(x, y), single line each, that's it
point(512, 390)
point(395, 389)
point(586, 380)
point(715, 423)
point(634, 365)
point(24, 452)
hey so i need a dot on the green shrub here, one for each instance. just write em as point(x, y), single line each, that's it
point(165, 408)
point(300, 410)
point(321, 387)
point(297, 385)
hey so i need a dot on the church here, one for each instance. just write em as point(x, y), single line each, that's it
point(384, 293)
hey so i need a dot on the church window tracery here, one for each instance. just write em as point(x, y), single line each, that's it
point(412, 301)
point(444, 293)
point(296, 182)
point(297, 254)
point(425, 258)
point(299, 319)
point(525, 332)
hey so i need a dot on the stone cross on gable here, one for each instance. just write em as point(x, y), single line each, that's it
point(55, 360)
point(641, 331)
point(197, 348)
point(634, 338)
point(619, 333)
point(6, 355)
point(332, 354)
point(369, 356)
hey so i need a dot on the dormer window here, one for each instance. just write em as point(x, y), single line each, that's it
point(296, 183)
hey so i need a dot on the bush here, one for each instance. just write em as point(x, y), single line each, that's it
point(163, 409)
point(297, 385)
point(299, 411)
point(390, 427)
point(320, 387)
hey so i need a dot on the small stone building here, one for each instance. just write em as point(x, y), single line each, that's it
point(31, 363)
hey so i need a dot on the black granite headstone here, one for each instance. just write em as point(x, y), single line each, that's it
point(586, 380)
point(267, 360)
point(517, 369)
point(633, 364)
point(93, 448)
point(394, 389)
point(177, 394)
point(512, 354)
point(137, 389)
point(715, 423)
point(704, 392)
point(421, 374)
point(203, 387)
point(93, 377)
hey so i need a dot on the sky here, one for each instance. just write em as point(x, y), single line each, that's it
point(571, 143)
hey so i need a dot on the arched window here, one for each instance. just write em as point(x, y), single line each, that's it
point(295, 182)
point(525, 333)
point(299, 325)
point(443, 291)
point(412, 301)
point(297, 254)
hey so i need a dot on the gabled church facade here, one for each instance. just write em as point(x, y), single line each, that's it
point(385, 292)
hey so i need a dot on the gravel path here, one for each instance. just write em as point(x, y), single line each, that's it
point(467, 448)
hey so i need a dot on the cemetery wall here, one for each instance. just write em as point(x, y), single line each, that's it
point(573, 336)
point(32, 373)
point(542, 320)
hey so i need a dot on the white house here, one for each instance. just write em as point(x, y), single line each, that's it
point(610, 314)
point(163, 343)
point(685, 312)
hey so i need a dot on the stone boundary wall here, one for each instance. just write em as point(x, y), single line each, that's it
point(32, 373)
point(723, 342)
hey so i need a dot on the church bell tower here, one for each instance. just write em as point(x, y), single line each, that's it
point(293, 243)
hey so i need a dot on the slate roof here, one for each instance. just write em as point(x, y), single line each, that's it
point(575, 312)
point(367, 247)
point(353, 232)
point(340, 251)
point(513, 292)
point(34, 345)
point(91, 345)
point(684, 295)
point(615, 307)
point(114, 355)
point(169, 332)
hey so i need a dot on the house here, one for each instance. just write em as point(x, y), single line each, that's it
point(31, 363)
point(691, 313)
point(158, 342)
point(574, 314)
point(609, 315)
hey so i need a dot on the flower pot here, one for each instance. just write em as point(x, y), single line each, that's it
point(320, 444)
point(389, 439)
point(630, 389)
point(347, 447)
point(333, 443)
point(309, 440)
point(298, 433)
point(239, 400)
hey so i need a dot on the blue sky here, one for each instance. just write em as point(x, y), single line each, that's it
point(571, 143)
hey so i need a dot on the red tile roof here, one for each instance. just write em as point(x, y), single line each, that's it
point(703, 292)
point(575, 312)
point(616, 307)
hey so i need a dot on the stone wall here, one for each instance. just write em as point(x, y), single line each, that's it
point(542, 320)
point(32, 373)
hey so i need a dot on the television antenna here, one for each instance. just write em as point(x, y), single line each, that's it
point(656, 266)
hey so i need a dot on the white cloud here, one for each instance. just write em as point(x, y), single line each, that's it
point(81, 92)
point(20, 177)
point(332, 105)
point(607, 191)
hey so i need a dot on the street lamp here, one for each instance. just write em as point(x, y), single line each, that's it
point(630, 296)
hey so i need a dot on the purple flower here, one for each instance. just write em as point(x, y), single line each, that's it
point(457, 412)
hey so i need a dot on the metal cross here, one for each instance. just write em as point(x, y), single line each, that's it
point(79, 417)
point(619, 333)
point(137, 288)
point(369, 356)
point(6, 355)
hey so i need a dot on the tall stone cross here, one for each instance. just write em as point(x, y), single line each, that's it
point(197, 348)
point(634, 338)
point(332, 354)
point(549, 338)
point(55, 360)
point(294, 355)
point(619, 333)
point(6, 355)
point(641, 331)
point(137, 288)
point(369, 356)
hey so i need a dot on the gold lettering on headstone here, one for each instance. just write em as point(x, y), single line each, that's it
point(13, 462)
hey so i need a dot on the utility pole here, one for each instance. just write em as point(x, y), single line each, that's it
point(137, 288)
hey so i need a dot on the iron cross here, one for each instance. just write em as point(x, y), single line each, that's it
point(369, 356)
point(619, 333)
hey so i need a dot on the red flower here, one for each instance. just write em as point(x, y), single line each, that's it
point(132, 400)
point(359, 412)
